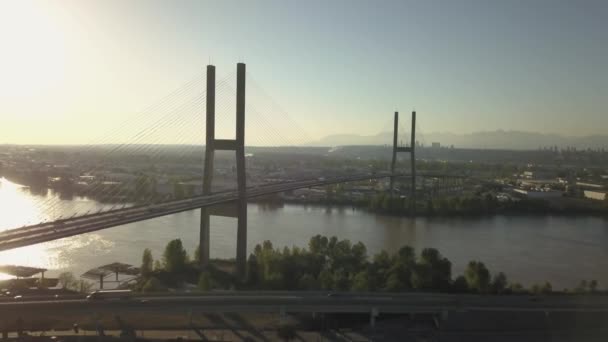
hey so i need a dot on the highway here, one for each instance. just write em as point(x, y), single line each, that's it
point(43, 232)
point(308, 302)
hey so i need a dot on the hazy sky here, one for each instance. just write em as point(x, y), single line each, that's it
point(72, 70)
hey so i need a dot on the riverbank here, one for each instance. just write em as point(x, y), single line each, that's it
point(453, 206)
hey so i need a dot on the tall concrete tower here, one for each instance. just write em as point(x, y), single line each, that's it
point(411, 150)
point(238, 145)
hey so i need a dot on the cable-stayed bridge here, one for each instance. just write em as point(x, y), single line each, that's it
point(135, 201)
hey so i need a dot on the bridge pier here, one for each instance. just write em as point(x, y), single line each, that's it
point(411, 150)
point(237, 145)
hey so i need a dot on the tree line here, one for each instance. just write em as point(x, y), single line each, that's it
point(331, 264)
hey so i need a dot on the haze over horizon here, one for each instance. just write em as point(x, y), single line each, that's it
point(72, 69)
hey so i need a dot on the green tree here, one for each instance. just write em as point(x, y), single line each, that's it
point(147, 263)
point(422, 277)
point(318, 245)
point(158, 265)
point(197, 255)
point(361, 281)
point(308, 282)
point(204, 281)
point(253, 271)
point(593, 285)
point(380, 270)
point(175, 257)
point(516, 288)
point(67, 281)
point(438, 269)
point(460, 285)
point(582, 287)
point(326, 280)
point(499, 283)
point(341, 280)
point(394, 283)
point(545, 288)
point(84, 286)
point(477, 276)
point(153, 285)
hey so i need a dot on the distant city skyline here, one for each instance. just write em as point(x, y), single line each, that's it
point(72, 70)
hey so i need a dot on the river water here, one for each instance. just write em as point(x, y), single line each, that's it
point(529, 249)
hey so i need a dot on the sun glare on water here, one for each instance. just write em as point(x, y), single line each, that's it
point(19, 209)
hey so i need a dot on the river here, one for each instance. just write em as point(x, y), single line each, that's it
point(529, 249)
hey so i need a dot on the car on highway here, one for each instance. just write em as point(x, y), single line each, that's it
point(337, 295)
point(110, 294)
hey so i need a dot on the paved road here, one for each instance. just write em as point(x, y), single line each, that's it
point(310, 302)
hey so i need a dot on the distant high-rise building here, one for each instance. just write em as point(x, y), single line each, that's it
point(435, 145)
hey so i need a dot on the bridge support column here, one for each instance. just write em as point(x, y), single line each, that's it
point(241, 234)
point(412, 151)
point(413, 162)
point(237, 145)
point(204, 237)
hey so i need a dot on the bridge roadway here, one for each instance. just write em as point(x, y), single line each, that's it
point(43, 232)
point(307, 302)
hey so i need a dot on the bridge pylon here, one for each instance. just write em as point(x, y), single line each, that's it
point(407, 149)
point(237, 145)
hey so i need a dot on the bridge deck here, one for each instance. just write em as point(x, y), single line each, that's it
point(33, 234)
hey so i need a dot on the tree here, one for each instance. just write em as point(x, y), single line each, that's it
point(318, 245)
point(204, 281)
point(421, 278)
point(326, 279)
point(477, 276)
point(517, 288)
point(341, 280)
point(158, 265)
point(545, 288)
point(499, 283)
point(147, 263)
point(407, 255)
point(175, 257)
point(67, 281)
point(582, 287)
point(439, 269)
point(84, 286)
point(197, 255)
point(460, 285)
point(253, 271)
point(394, 283)
point(361, 281)
point(153, 285)
point(593, 285)
point(359, 254)
point(307, 282)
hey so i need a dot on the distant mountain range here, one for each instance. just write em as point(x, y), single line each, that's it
point(512, 140)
